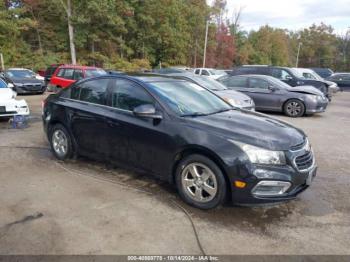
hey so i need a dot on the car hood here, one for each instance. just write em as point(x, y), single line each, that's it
point(252, 128)
point(6, 94)
point(26, 80)
point(233, 94)
point(305, 89)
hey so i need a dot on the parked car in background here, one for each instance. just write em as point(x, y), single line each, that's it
point(342, 80)
point(323, 72)
point(24, 81)
point(31, 72)
point(271, 94)
point(310, 74)
point(209, 72)
point(9, 106)
point(236, 99)
point(49, 72)
point(285, 74)
point(65, 75)
point(184, 134)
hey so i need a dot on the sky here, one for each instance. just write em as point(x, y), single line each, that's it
point(292, 14)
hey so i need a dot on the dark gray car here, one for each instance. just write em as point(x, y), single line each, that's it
point(234, 98)
point(271, 94)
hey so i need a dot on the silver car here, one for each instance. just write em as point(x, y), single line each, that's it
point(271, 94)
point(234, 98)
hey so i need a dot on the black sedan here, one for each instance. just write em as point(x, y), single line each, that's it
point(184, 134)
point(24, 81)
point(271, 94)
point(342, 79)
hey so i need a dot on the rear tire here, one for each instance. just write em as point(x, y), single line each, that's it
point(294, 108)
point(61, 142)
point(200, 182)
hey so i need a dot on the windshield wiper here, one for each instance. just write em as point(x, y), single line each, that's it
point(220, 111)
point(194, 114)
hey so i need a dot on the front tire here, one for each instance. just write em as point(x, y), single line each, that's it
point(294, 108)
point(200, 182)
point(61, 142)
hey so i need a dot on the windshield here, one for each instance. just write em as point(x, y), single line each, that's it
point(94, 72)
point(20, 74)
point(3, 84)
point(217, 72)
point(208, 83)
point(188, 99)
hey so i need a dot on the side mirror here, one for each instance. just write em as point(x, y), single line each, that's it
point(10, 85)
point(273, 88)
point(146, 111)
point(288, 78)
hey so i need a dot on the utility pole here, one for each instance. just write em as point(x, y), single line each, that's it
point(205, 43)
point(2, 62)
point(71, 32)
point(297, 62)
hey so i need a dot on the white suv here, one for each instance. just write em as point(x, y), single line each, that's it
point(210, 72)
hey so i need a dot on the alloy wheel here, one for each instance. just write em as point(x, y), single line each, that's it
point(294, 108)
point(60, 143)
point(199, 182)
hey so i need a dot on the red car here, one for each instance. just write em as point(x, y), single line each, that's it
point(65, 75)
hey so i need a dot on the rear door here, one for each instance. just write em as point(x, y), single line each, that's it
point(88, 122)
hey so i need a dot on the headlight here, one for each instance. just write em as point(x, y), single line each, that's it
point(300, 83)
point(259, 155)
point(234, 102)
point(18, 84)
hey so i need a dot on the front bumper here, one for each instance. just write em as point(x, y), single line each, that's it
point(28, 89)
point(14, 107)
point(318, 107)
point(299, 182)
point(297, 173)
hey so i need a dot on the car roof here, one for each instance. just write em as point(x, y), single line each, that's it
point(17, 68)
point(78, 67)
point(256, 75)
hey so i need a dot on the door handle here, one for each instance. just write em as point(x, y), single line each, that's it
point(112, 123)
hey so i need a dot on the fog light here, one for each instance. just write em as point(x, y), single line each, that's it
point(271, 188)
point(240, 184)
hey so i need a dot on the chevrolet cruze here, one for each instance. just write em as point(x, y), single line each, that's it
point(184, 134)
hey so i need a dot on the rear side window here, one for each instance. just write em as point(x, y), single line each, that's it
point(197, 71)
point(78, 74)
point(94, 91)
point(127, 95)
point(68, 73)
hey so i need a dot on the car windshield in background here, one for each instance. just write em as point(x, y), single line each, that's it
point(94, 72)
point(3, 84)
point(20, 74)
point(217, 72)
point(189, 99)
point(298, 73)
point(209, 83)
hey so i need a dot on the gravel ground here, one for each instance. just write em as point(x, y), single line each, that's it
point(87, 207)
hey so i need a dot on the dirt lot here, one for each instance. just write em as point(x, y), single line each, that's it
point(83, 207)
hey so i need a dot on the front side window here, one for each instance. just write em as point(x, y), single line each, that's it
point(258, 83)
point(94, 91)
point(237, 82)
point(78, 74)
point(281, 74)
point(68, 73)
point(186, 99)
point(127, 95)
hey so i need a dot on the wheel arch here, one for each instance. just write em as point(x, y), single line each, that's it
point(200, 150)
point(294, 98)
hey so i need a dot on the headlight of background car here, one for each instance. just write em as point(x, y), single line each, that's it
point(259, 155)
point(233, 102)
point(18, 84)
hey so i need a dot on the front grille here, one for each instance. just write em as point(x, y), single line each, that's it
point(32, 87)
point(305, 161)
